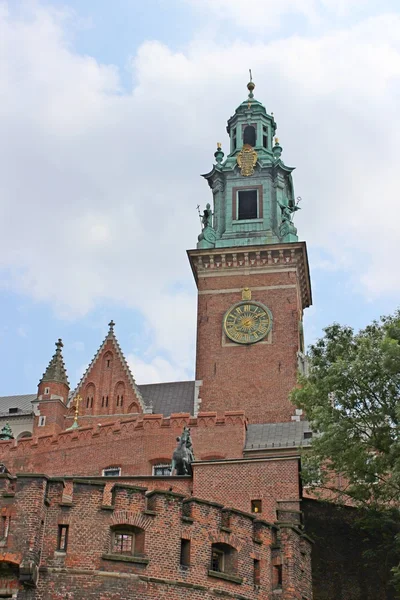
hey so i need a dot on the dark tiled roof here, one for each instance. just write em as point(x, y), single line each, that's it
point(278, 435)
point(164, 398)
point(23, 403)
point(168, 398)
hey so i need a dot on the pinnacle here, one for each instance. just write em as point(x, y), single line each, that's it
point(56, 368)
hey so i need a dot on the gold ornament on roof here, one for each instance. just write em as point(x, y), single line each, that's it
point(246, 293)
point(247, 159)
point(77, 400)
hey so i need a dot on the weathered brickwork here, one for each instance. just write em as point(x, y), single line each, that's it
point(258, 377)
point(134, 444)
point(90, 568)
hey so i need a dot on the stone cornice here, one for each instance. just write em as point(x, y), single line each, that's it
point(254, 259)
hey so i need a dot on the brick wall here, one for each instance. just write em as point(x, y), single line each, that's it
point(256, 378)
point(133, 444)
point(237, 483)
point(90, 569)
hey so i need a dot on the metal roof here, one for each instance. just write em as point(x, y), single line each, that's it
point(23, 403)
point(168, 398)
point(278, 435)
point(163, 398)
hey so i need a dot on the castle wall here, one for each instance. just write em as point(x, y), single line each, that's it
point(237, 483)
point(89, 567)
point(133, 444)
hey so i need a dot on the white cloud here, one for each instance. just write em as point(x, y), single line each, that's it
point(154, 370)
point(265, 16)
point(99, 188)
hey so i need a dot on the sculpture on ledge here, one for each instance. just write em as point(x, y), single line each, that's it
point(208, 236)
point(287, 227)
point(183, 456)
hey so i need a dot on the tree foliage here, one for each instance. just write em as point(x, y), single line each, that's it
point(351, 396)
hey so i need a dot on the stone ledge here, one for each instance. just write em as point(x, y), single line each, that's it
point(107, 507)
point(226, 529)
point(151, 513)
point(126, 558)
point(187, 519)
point(225, 576)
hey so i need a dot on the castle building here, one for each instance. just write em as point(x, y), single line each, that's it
point(91, 506)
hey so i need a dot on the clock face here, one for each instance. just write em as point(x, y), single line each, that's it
point(247, 322)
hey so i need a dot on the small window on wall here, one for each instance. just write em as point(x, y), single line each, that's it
point(185, 553)
point(256, 506)
point(257, 573)
point(112, 472)
point(247, 204)
point(62, 540)
point(265, 136)
point(46, 391)
point(162, 470)
point(42, 421)
point(217, 560)
point(123, 543)
point(234, 142)
point(277, 577)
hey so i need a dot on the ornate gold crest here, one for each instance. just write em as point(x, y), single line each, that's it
point(246, 294)
point(246, 159)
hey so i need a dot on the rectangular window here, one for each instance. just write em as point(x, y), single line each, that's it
point(4, 527)
point(123, 543)
point(234, 139)
point(46, 391)
point(13, 411)
point(185, 553)
point(256, 506)
point(161, 470)
point(265, 136)
point(42, 421)
point(277, 576)
point(112, 472)
point(217, 560)
point(62, 541)
point(257, 573)
point(247, 204)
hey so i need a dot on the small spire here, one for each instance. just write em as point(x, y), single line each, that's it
point(56, 368)
point(219, 155)
point(251, 85)
point(111, 326)
point(277, 149)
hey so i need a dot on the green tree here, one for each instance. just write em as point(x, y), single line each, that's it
point(351, 396)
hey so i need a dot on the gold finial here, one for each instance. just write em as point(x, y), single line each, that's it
point(276, 140)
point(246, 294)
point(250, 85)
point(77, 401)
point(219, 145)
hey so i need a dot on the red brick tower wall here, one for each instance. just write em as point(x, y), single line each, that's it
point(256, 378)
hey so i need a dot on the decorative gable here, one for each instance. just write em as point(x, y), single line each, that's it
point(108, 386)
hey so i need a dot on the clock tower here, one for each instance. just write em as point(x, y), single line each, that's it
point(252, 276)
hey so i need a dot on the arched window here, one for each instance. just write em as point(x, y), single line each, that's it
point(89, 395)
point(107, 360)
point(127, 540)
point(119, 394)
point(24, 434)
point(223, 559)
point(249, 135)
point(133, 408)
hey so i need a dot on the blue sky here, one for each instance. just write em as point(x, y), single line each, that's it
point(111, 110)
